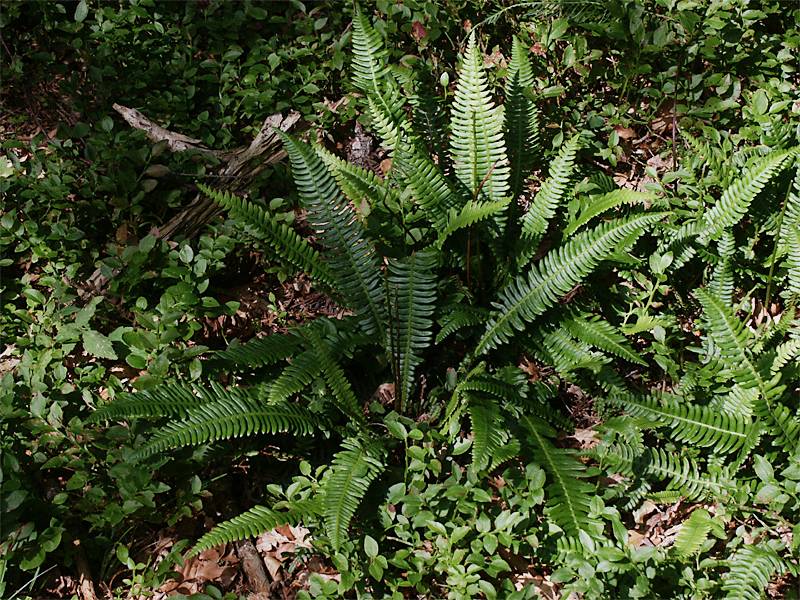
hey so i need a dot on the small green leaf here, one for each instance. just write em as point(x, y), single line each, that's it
point(81, 11)
point(98, 345)
point(370, 547)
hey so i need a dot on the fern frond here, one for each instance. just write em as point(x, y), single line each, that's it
point(428, 185)
point(254, 522)
point(690, 423)
point(793, 260)
point(734, 339)
point(354, 468)
point(228, 418)
point(567, 355)
point(721, 283)
point(684, 474)
point(259, 352)
point(471, 213)
point(569, 498)
point(694, 533)
point(602, 203)
point(284, 240)
point(459, 317)
point(549, 197)
point(602, 335)
point(751, 570)
point(489, 434)
point(353, 260)
point(477, 146)
point(737, 197)
point(558, 272)
point(298, 375)
point(521, 118)
point(369, 65)
point(335, 379)
point(785, 353)
point(412, 285)
point(166, 400)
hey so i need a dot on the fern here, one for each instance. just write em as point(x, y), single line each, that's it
point(567, 355)
point(254, 522)
point(751, 569)
point(521, 118)
point(684, 475)
point(412, 283)
point(560, 270)
point(283, 240)
point(736, 198)
point(298, 375)
point(354, 263)
point(354, 468)
point(489, 435)
point(428, 186)
point(569, 498)
point(603, 336)
point(693, 533)
point(477, 147)
point(227, 418)
point(259, 352)
point(459, 317)
point(694, 424)
point(471, 213)
point(549, 197)
point(603, 203)
point(722, 281)
point(166, 400)
point(335, 379)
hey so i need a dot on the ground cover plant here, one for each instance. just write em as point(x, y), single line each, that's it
point(553, 360)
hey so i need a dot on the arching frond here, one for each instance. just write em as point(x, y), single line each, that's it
point(599, 204)
point(459, 317)
point(569, 497)
point(254, 522)
point(602, 335)
point(228, 418)
point(561, 269)
point(283, 240)
point(471, 213)
point(737, 197)
point(429, 187)
point(683, 474)
point(298, 375)
point(693, 533)
point(354, 468)
point(722, 281)
point(258, 352)
point(751, 570)
point(489, 434)
point(690, 423)
point(352, 257)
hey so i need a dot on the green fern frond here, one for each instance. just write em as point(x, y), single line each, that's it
point(254, 522)
point(428, 185)
point(568, 355)
point(459, 317)
point(477, 146)
point(259, 352)
point(361, 186)
point(412, 286)
point(228, 418)
point(521, 118)
point(793, 261)
point(284, 240)
point(737, 197)
point(354, 468)
point(489, 435)
point(690, 423)
point(335, 379)
point(751, 570)
point(549, 197)
point(722, 281)
point(790, 222)
point(353, 261)
point(303, 369)
point(694, 533)
point(569, 498)
point(370, 65)
point(683, 474)
point(603, 203)
point(471, 213)
point(601, 334)
point(787, 352)
point(166, 400)
point(558, 272)
point(734, 339)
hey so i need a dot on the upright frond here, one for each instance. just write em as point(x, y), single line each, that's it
point(488, 432)
point(549, 197)
point(522, 118)
point(354, 468)
point(412, 287)
point(561, 269)
point(477, 147)
point(751, 570)
point(429, 187)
